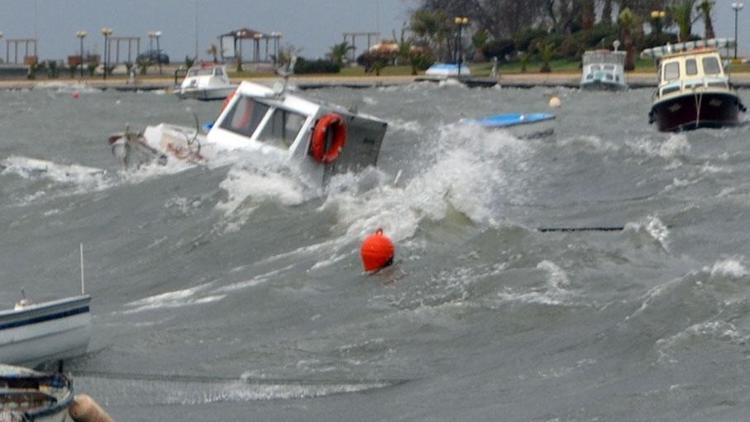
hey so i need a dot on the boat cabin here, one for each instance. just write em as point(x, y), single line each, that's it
point(205, 76)
point(324, 139)
point(693, 70)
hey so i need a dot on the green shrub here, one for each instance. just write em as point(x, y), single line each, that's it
point(304, 66)
point(499, 48)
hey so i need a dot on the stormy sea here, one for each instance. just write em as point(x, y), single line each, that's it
point(598, 274)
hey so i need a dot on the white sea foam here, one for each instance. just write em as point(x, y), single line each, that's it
point(174, 299)
point(82, 179)
point(730, 267)
point(654, 227)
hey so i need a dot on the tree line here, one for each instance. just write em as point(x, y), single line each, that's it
point(546, 29)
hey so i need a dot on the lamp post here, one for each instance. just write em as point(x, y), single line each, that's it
point(737, 6)
point(657, 17)
point(155, 35)
point(1, 37)
point(106, 32)
point(81, 35)
point(460, 21)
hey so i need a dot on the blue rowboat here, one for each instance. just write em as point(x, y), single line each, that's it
point(499, 121)
point(521, 125)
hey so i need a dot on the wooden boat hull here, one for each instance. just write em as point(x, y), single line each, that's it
point(45, 332)
point(696, 110)
point(27, 395)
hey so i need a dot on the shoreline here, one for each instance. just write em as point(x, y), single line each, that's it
point(520, 80)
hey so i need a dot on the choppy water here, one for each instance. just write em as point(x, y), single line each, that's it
point(235, 292)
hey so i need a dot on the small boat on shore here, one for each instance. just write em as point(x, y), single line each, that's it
point(206, 82)
point(35, 333)
point(442, 72)
point(27, 395)
point(320, 139)
point(694, 90)
point(603, 70)
point(520, 125)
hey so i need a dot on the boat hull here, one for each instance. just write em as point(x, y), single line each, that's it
point(28, 395)
point(207, 94)
point(696, 110)
point(45, 332)
point(602, 86)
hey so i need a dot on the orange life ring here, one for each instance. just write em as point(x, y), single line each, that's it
point(333, 122)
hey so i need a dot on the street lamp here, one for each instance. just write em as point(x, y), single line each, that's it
point(1, 37)
point(107, 32)
point(152, 35)
point(657, 17)
point(737, 6)
point(81, 35)
point(460, 21)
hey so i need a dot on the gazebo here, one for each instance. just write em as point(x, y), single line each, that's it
point(257, 37)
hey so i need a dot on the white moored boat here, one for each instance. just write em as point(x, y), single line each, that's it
point(319, 139)
point(603, 70)
point(206, 82)
point(35, 333)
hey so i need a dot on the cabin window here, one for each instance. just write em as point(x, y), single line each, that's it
point(199, 72)
point(608, 76)
point(671, 71)
point(595, 68)
point(282, 128)
point(219, 71)
point(711, 66)
point(691, 67)
point(245, 116)
point(609, 67)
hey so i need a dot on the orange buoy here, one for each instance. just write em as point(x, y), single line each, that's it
point(377, 251)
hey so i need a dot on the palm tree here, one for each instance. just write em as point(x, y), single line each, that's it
point(338, 52)
point(683, 16)
point(546, 50)
point(607, 12)
point(705, 8)
point(213, 51)
point(628, 26)
point(432, 27)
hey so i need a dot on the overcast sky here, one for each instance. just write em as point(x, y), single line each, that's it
point(312, 25)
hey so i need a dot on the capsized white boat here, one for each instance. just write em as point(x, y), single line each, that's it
point(35, 333)
point(320, 139)
point(206, 82)
point(27, 395)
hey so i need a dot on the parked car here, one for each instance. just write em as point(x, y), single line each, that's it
point(155, 56)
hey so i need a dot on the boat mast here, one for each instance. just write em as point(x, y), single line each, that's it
point(83, 283)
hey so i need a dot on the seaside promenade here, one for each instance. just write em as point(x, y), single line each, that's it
point(519, 80)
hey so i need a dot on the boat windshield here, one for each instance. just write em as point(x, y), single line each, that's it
point(282, 128)
point(200, 72)
point(711, 66)
point(691, 67)
point(671, 71)
point(245, 116)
